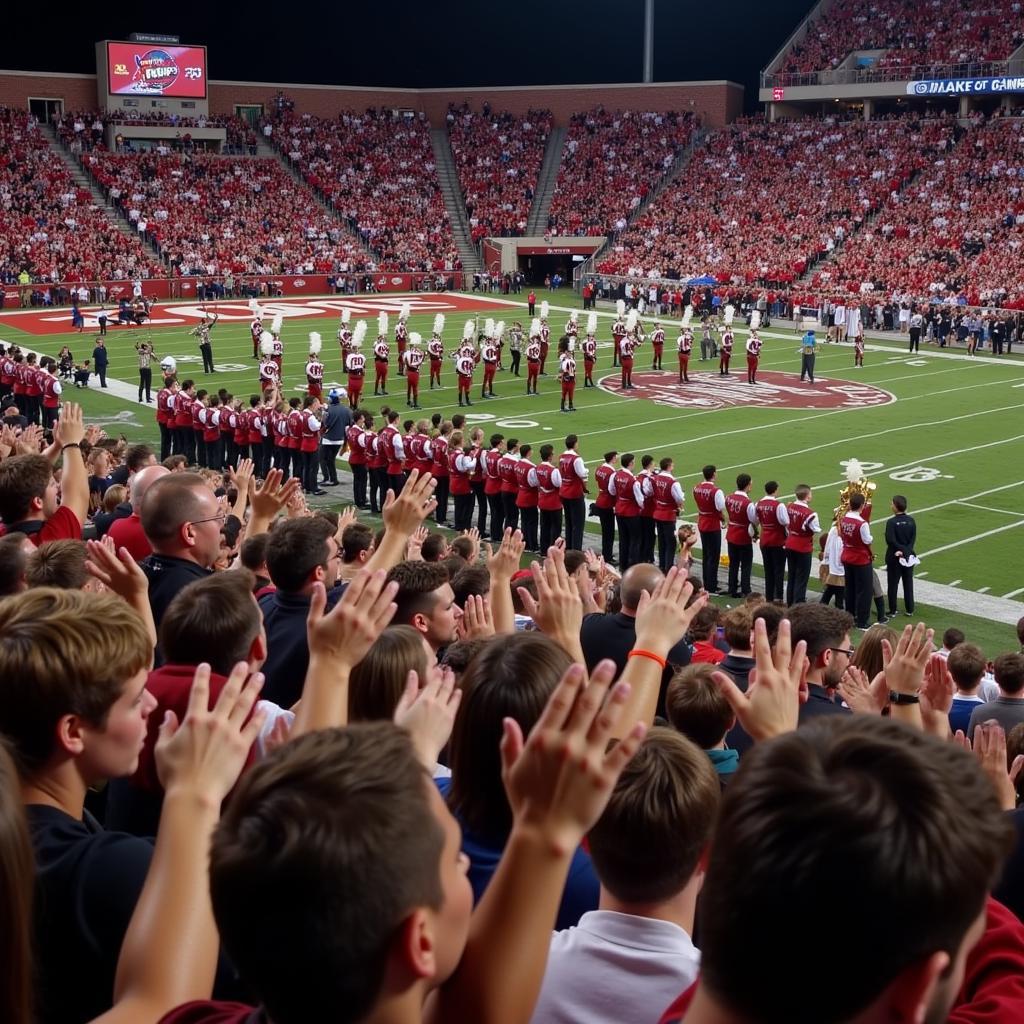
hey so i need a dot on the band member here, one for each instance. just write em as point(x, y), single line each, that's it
point(275, 332)
point(710, 501)
point(145, 351)
point(256, 327)
point(314, 368)
point(165, 415)
point(435, 349)
point(533, 358)
point(309, 445)
point(627, 345)
point(803, 525)
point(658, 345)
point(526, 497)
point(606, 505)
point(684, 346)
point(202, 332)
point(381, 356)
point(753, 356)
point(572, 327)
point(726, 354)
point(545, 338)
point(668, 500)
point(742, 515)
point(52, 388)
point(590, 351)
point(355, 364)
point(773, 519)
point(629, 502)
point(465, 361)
point(402, 335)
point(413, 359)
point(439, 470)
point(858, 345)
point(270, 374)
point(489, 357)
point(345, 335)
point(491, 461)
point(509, 486)
point(618, 330)
point(567, 372)
point(547, 479)
point(515, 346)
point(855, 534)
point(573, 474)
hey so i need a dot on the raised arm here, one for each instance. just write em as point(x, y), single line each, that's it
point(69, 430)
point(402, 515)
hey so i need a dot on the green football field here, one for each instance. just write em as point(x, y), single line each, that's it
point(939, 427)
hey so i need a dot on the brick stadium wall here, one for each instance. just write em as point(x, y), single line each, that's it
point(717, 102)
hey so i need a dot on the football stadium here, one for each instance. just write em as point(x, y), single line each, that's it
point(648, 378)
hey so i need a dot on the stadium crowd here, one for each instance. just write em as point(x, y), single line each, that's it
point(610, 163)
point(432, 769)
point(497, 157)
point(912, 34)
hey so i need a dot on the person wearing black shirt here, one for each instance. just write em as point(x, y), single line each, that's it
point(900, 538)
point(99, 361)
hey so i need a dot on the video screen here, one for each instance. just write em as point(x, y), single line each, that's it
point(155, 69)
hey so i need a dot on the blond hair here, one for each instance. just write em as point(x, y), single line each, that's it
point(63, 652)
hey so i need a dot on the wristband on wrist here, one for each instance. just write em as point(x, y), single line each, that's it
point(638, 652)
point(71, 444)
point(903, 698)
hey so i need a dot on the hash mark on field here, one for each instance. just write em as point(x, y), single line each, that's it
point(970, 540)
point(1012, 593)
point(988, 508)
point(953, 583)
point(921, 575)
point(984, 590)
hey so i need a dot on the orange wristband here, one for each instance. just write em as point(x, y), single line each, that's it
point(638, 652)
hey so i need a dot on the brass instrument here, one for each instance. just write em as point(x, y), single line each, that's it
point(858, 484)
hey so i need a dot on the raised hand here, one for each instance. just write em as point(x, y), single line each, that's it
point(403, 514)
point(428, 714)
point(115, 569)
point(990, 750)
point(663, 616)
point(476, 620)
point(557, 610)
point(778, 683)
point(72, 426)
point(414, 545)
point(474, 535)
point(273, 495)
point(207, 751)
point(241, 475)
point(560, 779)
point(504, 562)
point(937, 694)
point(29, 440)
point(856, 690)
point(344, 634)
point(905, 667)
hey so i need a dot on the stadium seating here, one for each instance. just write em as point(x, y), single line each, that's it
point(49, 226)
point(610, 162)
point(210, 214)
point(498, 157)
point(763, 202)
point(912, 34)
point(379, 174)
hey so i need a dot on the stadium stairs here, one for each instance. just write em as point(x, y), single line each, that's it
point(84, 180)
point(537, 224)
point(454, 201)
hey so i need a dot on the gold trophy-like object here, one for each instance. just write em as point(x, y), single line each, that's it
point(858, 484)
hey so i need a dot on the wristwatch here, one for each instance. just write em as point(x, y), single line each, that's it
point(903, 698)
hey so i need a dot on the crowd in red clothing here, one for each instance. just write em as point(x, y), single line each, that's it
point(498, 158)
point(49, 227)
point(378, 170)
point(762, 202)
point(210, 215)
point(935, 32)
point(611, 160)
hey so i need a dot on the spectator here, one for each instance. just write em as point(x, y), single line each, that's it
point(966, 665)
point(1008, 708)
point(426, 602)
point(127, 531)
point(696, 708)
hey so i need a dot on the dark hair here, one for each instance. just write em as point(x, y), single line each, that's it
point(608, 456)
point(821, 625)
point(137, 456)
point(695, 706)
point(626, 459)
point(378, 681)
point(355, 539)
point(295, 549)
point(650, 838)
point(253, 552)
point(512, 677)
point(899, 502)
point(742, 481)
point(704, 622)
point(417, 582)
point(772, 614)
point(802, 491)
point(434, 545)
point(458, 655)
point(214, 619)
point(814, 832)
point(13, 559)
point(856, 501)
point(571, 440)
point(58, 563)
point(463, 547)
point(22, 478)
point(340, 820)
point(771, 486)
point(665, 463)
point(952, 637)
point(472, 581)
point(966, 665)
point(545, 452)
point(1009, 672)
point(708, 471)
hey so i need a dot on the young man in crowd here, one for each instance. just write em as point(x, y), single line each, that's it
point(696, 708)
point(426, 602)
point(966, 664)
point(1008, 708)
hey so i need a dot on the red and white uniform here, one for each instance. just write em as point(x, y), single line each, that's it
point(464, 364)
point(435, 349)
point(545, 343)
point(803, 525)
point(572, 329)
point(710, 501)
point(345, 341)
point(51, 388)
point(627, 346)
point(355, 364)
point(573, 473)
point(277, 353)
point(628, 493)
point(315, 377)
point(856, 537)
point(684, 346)
point(658, 342)
point(742, 514)
point(589, 352)
point(381, 357)
point(532, 363)
point(547, 479)
point(753, 353)
point(526, 491)
point(256, 330)
point(603, 475)
point(668, 496)
point(567, 372)
point(773, 519)
point(270, 374)
point(489, 356)
point(413, 358)
point(725, 353)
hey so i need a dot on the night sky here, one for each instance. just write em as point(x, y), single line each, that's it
point(423, 44)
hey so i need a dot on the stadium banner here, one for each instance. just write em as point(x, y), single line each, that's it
point(965, 86)
point(142, 69)
point(557, 250)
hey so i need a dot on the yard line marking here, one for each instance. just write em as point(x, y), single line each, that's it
point(1012, 593)
point(988, 508)
point(921, 575)
point(971, 540)
point(983, 590)
point(968, 497)
point(953, 583)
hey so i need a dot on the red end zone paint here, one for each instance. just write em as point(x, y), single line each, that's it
point(181, 314)
point(773, 391)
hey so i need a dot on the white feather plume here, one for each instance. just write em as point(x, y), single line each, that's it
point(382, 323)
point(277, 323)
point(359, 333)
point(315, 343)
point(489, 327)
point(439, 323)
point(346, 315)
point(404, 311)
point(544, 309)
point(535, 328)
point(574, 316)
point(592, 323)
point(415, 339)
point(632, 320)
point(730, 312)
point(620, 308)
point(267, 343)
point(854, 471)
point(469, 330)
point(687, 315)
point(755, 319)
point(499, 330)
point(572, 345)
point(253, 305)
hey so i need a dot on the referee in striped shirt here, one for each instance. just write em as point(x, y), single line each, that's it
point(145, 351)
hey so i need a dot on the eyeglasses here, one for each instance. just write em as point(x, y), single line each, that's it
point(219, 518)
point(848, 651)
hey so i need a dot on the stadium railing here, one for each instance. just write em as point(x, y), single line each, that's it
point(915, 73)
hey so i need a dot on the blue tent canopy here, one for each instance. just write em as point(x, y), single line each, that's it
point(706, 279)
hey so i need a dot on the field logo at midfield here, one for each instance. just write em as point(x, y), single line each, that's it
point(772, 391)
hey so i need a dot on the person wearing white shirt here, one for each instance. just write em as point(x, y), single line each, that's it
point(832, 573)
point(630, 958)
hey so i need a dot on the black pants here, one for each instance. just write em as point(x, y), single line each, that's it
point(360, 477)
point(441, 492)
point(396, 481)
point(741, 558)
point(310, 462)
point(607, 517)
point(214, 454)
point(898, 574)
point(497, 509)
point(710, 553)
point(575, 512)
point(329, 462)
point(915, 339)
point(859, 594)
point(207, 354)
point(516, 356)
point(550, 528)
point(647, 532)
point(629, 541)
point(831, 592)
point(101, 372)
point(774, 572)
point(49, 417)
point(481, 506)
point(528, 517)
point(798, 566)
point(165, 441)
point(807, 367)
point(145, 382)
point(510, 509)
point(666, 543)
point(463, 511)
point(268, 455)
point(378, 487)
